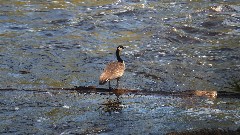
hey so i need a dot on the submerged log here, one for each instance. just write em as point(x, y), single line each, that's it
point(188, 93)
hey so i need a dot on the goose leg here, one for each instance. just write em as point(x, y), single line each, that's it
point(117, 82)
point(109, 85)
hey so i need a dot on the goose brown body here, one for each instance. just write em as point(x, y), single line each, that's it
point(113, 70)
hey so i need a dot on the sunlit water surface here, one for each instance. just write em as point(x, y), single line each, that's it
point(171, 46)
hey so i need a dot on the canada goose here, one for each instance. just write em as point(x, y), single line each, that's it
point(113, 70)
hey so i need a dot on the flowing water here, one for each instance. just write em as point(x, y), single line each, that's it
point(170, 46)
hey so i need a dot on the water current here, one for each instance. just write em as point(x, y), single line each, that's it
point(170, 46)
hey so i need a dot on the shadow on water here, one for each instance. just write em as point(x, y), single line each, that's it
point(234, 84)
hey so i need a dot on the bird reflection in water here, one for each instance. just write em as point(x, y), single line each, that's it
point(113, 105)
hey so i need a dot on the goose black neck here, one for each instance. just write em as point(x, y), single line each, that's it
point(118, 56)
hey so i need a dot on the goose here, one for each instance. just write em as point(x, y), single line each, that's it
point(113, 70)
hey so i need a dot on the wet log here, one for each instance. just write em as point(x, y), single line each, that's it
point(188, 93)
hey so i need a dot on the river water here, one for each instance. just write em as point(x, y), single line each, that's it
point(170, 46)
